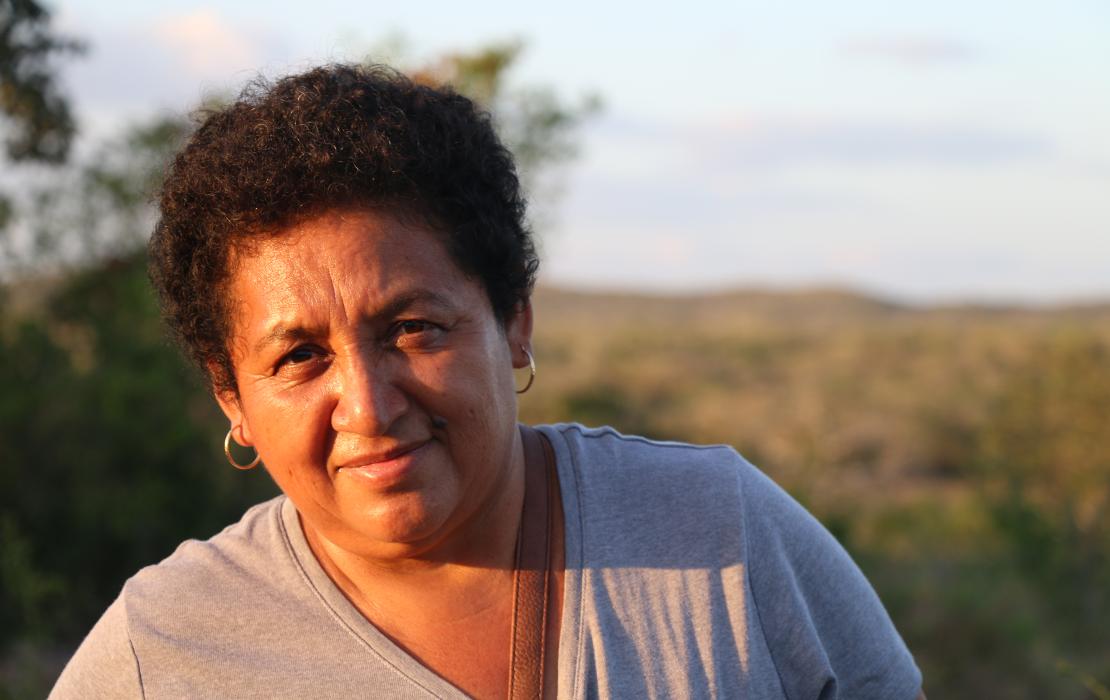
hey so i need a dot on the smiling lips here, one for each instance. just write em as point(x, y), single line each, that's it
point(389, 465)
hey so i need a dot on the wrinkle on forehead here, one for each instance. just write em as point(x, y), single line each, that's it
point(281, 330)
point(296, 278)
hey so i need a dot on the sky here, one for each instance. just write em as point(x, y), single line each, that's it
point(925, 152)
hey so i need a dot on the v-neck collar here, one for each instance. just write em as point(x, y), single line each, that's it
point(347, 615)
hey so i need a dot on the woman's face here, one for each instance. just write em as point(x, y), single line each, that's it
point(375, 381)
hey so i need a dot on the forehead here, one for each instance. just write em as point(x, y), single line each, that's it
point(367, 238)
point(343, 262)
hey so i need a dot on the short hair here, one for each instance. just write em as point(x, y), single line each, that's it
point(335, 137)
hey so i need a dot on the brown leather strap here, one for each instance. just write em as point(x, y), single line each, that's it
point(532, 578)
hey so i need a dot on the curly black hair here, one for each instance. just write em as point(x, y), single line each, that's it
point(335, 137)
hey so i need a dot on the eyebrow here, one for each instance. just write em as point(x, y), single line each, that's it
point(281, 333)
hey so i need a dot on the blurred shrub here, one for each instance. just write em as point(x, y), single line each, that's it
point(1045, 478)
point(109, 453)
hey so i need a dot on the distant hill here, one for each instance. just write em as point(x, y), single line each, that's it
point(817, 307)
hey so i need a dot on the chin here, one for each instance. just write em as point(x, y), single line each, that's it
point(408, 523)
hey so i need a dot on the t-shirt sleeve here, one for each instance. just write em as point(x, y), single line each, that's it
point(104, 666)
point(828, 633)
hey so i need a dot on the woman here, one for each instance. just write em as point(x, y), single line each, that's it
point(344, 254)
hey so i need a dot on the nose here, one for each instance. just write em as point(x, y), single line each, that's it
point(369, 399)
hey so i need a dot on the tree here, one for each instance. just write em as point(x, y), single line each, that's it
point(33, 110)
point(538, 126)
point(38, 114)
point(101, 209)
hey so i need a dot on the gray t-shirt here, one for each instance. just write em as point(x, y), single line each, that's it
point(688, 574)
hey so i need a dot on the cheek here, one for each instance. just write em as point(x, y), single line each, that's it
point(291, 428)
point(484, 379)
point(490, 410)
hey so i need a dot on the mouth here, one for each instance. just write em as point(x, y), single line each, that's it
point(384, 466)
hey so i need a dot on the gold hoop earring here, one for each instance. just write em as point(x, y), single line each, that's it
point(531, 369)
point(227, 452)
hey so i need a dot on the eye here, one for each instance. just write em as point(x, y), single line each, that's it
point(411, 327)
point(299, 356)
point(416, 333)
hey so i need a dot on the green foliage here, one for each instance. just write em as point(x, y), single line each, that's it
point(605, 404)
point(1045, 478)
point(109, 454)
point(6, 211)
point(38, 113)
point(101, 208)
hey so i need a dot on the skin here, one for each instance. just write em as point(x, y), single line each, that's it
point(377, 385)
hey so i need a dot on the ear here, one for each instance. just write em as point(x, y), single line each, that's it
point(232, 407)
point(518, 333)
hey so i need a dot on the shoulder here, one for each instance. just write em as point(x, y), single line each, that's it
point(189, 599)
point(682, 491)
point(604, 454)
point(652, 501)
point(608, 463)
point(105, 665)
point(667, 506)
point(691, 492)
point(185, 612)
point(206, 586)
point(711, 485)
point(815, 607)
point(239, 556)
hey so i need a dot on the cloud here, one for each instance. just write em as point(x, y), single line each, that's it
point(915, 51)
point(206, 45)
point(757, 145)
point(775, 144)
point(170, 64)
point(920, 208)
point(691, 200)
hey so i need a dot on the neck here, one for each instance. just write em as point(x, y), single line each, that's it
point(453, 606)
point(429, 587)
point(459, 570)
